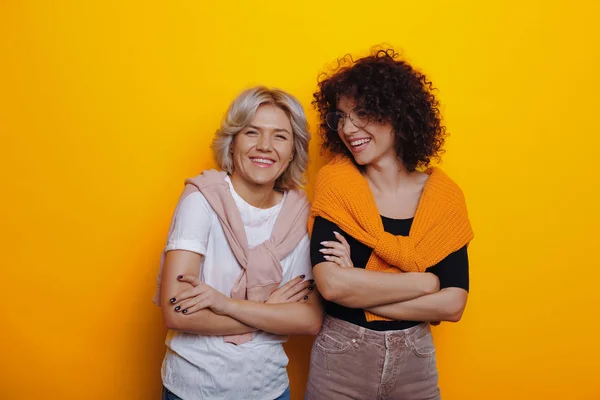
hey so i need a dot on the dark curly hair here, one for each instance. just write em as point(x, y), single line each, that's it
point(389, 90)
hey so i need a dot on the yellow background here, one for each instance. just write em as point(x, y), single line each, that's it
point(106, 106)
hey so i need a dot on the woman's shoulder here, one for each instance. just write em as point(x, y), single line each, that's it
point(339, 175)
point(192, 186)
point(338, 166)
point(296, 196)
point(443, 187)
point(208, 177)
point(194, 203)
point(323, 224)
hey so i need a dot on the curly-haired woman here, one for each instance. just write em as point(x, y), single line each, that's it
point(389, 233)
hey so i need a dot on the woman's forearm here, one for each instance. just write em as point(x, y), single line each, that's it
point(283, 318)
point(446, 305)
point(360, 288)
point(205, 322)
point(245, 316)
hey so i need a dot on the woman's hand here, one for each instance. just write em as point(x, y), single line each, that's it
point(296, 290)
point(338, 252)
point(199, 297)
point(203, 296)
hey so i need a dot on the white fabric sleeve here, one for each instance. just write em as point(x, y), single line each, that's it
point(301, 259)
point(191, 226)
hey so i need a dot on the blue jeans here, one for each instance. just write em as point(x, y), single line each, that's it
point(167, 395)
point(285, 395)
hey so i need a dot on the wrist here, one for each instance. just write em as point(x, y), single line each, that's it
point(231, 306)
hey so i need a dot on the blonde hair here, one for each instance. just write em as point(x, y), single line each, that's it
point(239, 115)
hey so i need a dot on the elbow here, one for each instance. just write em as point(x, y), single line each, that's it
point(454, 313)
point(328, 280)
point(454, 304)
point(311, 328)
point(328, 291)
point(171, 320)
point(314, 327)
point(310, 321)
point(455, 317)
point(333, 292)
point(315, 331)
point(171, 324)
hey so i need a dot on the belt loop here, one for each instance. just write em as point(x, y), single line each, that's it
point(361, 333)
point(407, 335)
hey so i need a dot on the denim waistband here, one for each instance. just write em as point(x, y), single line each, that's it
point(351, 330)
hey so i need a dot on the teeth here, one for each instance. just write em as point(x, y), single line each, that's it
point(263, 161)
point(359, 142)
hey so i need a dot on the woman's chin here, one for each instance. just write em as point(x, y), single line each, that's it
point(361, 159)
point(261, 180)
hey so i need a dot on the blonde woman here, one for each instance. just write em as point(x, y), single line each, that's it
point(236, 274)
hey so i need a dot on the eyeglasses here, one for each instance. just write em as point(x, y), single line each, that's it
point(335, 120)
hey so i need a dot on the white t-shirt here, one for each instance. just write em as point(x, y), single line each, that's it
point(205, 367)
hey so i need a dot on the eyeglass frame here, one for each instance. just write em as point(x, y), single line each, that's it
point(347, 116)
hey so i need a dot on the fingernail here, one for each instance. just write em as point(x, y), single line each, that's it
point(172, 300)
point(305, 297)
point(302, 276)
point(311, 281)
point(322, 250)
point(335, 233)
point(179, 276)
point(177, 308)
point(324, 243)
point(310, 288)
point(184, 311)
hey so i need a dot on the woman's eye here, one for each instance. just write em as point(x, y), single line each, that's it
point(283, 137)
point(251, 133)
point(362, 114)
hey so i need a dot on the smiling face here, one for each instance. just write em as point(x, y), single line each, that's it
point(263, 150)
point(370, 144)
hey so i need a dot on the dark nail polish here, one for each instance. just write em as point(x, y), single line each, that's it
point(177, 308)
point(179, 276)
point(184, 311)
point(311, 288)
point(302, 276)
point(305, 297)
point(312, 281)
point(172, 300)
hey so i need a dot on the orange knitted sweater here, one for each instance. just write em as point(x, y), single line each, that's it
point(440, 227)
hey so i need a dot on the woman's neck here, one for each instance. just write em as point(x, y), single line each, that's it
point(259, 196)
point(387, 175)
